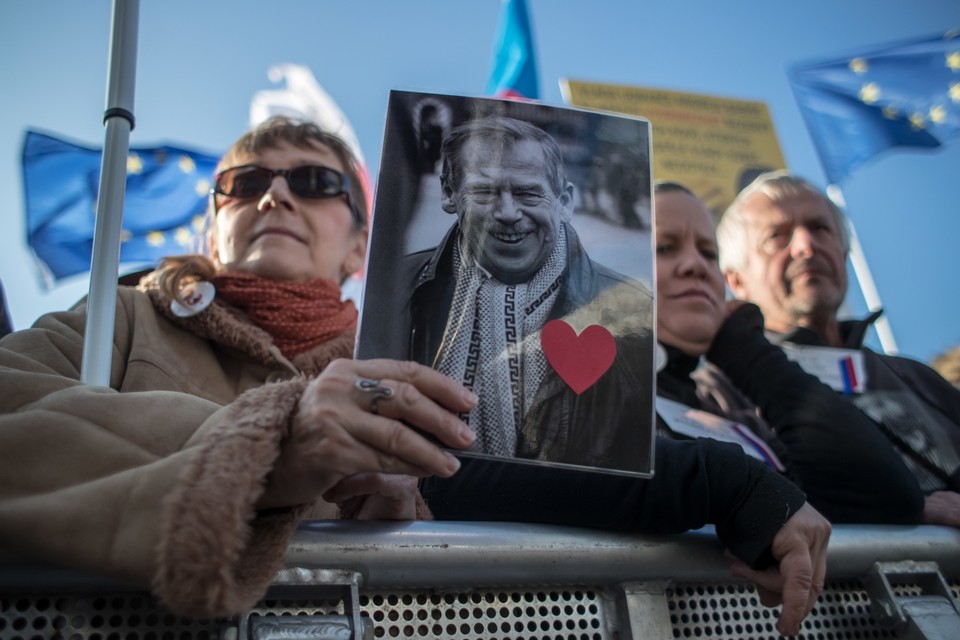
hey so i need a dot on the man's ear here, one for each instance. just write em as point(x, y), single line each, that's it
point(736, 284)
point(567, 195)
point(447, 202)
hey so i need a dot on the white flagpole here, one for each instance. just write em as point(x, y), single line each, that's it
point(118, 118)
point(864, 277)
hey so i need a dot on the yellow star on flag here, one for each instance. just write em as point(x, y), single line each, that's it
point(125, 235)
point(938, 115)
point(156, 239)
point(955, 91)
point(199, 223)
point(186, 164)
point(134, 164)
point(183, 236)
point(953, 61)
point(202, 187)
point(890, 113)
point(858, 66)
point(870, 92)
point(916, 119)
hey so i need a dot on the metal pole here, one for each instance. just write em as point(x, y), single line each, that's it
point(864, 278)
point(118, 118)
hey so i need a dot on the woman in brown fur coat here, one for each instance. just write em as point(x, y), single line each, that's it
point(233, 406)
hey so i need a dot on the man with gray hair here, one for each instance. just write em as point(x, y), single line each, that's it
point(783, 246)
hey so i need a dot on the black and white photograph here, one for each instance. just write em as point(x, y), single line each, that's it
point(511, 250)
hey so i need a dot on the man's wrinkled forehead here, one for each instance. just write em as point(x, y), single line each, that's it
point(762, 210)
point(485, 149)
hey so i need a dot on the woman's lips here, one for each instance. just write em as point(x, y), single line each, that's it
point(276, 231)
point(692, 294)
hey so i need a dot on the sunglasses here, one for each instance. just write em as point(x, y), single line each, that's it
point(309, 181)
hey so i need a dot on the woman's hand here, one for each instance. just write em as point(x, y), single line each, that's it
point(376, 496)
point(942, 507)
point(800, 547)
point(363, 416)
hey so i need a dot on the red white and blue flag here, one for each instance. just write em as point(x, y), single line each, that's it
point(514, 73)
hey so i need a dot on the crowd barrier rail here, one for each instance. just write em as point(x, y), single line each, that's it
point(499, 581)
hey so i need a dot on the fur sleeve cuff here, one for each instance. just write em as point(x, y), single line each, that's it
point(217, 556)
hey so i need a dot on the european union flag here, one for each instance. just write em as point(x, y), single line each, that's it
point(163, 214)
point(514, 64)
point(901, 95)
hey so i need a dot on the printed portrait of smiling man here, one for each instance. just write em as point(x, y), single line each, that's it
point(510, 263)
point(501, 179)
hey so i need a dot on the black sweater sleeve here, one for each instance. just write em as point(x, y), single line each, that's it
point(697, 482)
point(849, 470)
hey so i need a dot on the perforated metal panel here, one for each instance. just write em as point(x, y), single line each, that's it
point(567, 614)
point(734, 612)
point(96, 617)
point(726, 611)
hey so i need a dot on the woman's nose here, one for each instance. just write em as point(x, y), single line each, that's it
point(277, 195)
point(692, 262)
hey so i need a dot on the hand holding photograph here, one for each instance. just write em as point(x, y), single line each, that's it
point(511, 250)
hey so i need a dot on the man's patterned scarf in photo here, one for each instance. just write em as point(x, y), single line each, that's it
point(492, 344)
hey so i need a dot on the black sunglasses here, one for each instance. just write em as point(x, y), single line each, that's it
point(314, 182)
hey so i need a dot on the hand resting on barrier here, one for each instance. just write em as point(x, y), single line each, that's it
point(800, 547)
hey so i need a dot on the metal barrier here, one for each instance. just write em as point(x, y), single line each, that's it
point(349, 579)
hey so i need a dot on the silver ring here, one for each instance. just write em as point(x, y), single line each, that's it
point(373, 388)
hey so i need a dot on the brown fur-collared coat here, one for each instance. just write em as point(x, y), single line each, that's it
point(153, 480)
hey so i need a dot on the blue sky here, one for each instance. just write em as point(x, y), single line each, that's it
point(201, 62)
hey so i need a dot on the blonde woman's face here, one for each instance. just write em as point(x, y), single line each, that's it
point(690, 291)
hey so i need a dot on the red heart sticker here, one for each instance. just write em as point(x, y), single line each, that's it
point(578, 360)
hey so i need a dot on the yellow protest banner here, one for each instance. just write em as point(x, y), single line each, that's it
point(714, 146)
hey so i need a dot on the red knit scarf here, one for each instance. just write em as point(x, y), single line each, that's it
point(298, 315)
